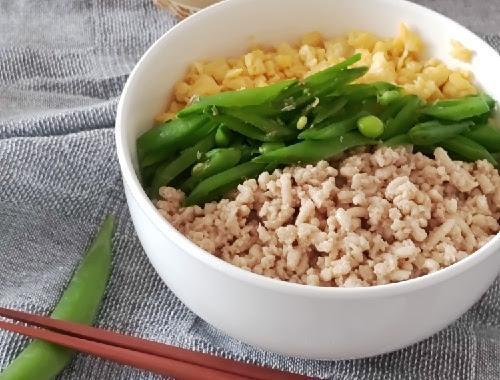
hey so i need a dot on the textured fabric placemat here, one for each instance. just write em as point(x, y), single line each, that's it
point(62, 67)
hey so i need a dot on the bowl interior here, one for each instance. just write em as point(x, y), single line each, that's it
point(228, 28)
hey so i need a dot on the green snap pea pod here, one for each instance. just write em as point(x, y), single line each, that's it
point(309, 151)
point(210, 187)
point(161, 156)
point(248, 152)
point(404, 120)
point(326, 75)
point(267, 147)
point(167, 152)
point(168, 135)
point(388, 97)
point(188, 185)
point(432, 132)
point(332, 130)
point(242, 98)
point(468, 149)
point(358, 91)
point(328, 110)
point(361, 91)
point(148, 173)
point(246, 129)
point(154, 158)
point(458, 109)
point(398, 141)
point(223, 136)
point(343, 77)
point(486, 135)
point(79, 303)
point(267, 125)
point(428, 150)
point(393, 109)
point(217, 161)
point(169, 171)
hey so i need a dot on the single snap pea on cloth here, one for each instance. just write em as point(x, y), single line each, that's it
point(79, 303)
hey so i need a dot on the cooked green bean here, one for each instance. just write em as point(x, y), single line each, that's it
point(398, 141)
point(326, 75)
point(404, 119)
point(486, 135)
point(328, 110)
point(271, 127)
point(432, 132)
point(245, 129)
point(341, 79)
point(217, 161)
point(168, 135)
point(394, 108)
point(310, 151)
point(331, 130)
point(169, 171)
point(458, 109)
point(223, 136)
point(370, 126)
point(205, 189)
point(79, 303)
point(249, 97)
point(268, 147)
point(469, 149)
point(175, 146)
point(388, 97)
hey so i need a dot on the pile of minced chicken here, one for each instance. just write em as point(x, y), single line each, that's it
point(371, 218)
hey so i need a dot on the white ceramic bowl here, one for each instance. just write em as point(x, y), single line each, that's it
point(298, 320)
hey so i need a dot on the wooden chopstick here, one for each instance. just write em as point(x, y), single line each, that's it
point(138, 352)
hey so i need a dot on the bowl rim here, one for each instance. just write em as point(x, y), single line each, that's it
point(132, 182)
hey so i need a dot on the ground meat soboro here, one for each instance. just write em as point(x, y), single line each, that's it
point(371, 219)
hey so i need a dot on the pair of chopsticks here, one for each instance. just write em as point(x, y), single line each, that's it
point(140, 353)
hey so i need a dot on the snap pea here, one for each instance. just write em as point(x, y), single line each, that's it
point(398, 141)
point(246, 129)
point(187, 141)
point(468, 149)
point(388, 97)
point(328, 110)
point(210, 187)
point(309, 151)
point(361, 91)
point(326, 75)
point(169, 171)
point(268, 147)
point(79, 303)
point(486, 135)
point(404, 119)
point(458, 109)
point(217, 161)
point(271, 127)
point(242, 98)
point(341, 79)
point(432, 132)
point(331, 130)
point(394, 108)
point(168, 135)
point(223, 136)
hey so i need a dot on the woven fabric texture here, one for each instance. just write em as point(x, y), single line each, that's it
point(62, 67)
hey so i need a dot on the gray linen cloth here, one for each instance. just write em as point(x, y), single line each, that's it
point(62, 67)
